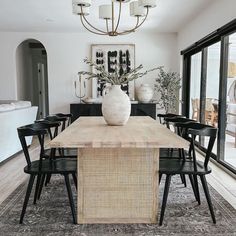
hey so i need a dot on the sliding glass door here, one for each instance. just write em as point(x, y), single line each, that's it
point(209, 89)
point(230, 129)
point(196, 61)
point(211, 104)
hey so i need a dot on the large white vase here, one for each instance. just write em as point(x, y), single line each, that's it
point(116, 106)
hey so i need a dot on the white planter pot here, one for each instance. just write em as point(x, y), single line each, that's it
point(145, 93)
point(116, 106)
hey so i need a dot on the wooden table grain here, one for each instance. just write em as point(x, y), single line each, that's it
point(117, 168)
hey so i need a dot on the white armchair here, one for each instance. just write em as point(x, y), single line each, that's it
point(10, 120)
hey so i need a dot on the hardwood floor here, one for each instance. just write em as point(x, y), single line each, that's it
point(224, 183)
point(12, 175)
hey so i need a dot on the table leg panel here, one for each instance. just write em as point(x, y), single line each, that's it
point(117, 185)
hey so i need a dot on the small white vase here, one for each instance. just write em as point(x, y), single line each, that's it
point(116, 106)
point(145, 93)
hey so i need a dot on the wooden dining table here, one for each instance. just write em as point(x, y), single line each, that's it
point(117, 168)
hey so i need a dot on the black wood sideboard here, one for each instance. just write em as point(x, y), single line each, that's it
point(95, 109)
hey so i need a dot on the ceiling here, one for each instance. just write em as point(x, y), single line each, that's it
point(56, 15)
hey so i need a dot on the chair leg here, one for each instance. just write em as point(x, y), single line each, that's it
point(183, 154)
point(160, 175)
point(41, 185)
point(189, 154)
point(48, 178)
point(197, 188)
point(37, 188)
point(207, 194)
point(27, 195)
point(72, 206)
point(60, 152)
point(194, 188)
point(180, 153)
point(75, 180)
point(183, 179)
point(165, 196)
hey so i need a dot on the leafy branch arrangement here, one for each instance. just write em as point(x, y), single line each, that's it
point(168, 85)
point(114, 78)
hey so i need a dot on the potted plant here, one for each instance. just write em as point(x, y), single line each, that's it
point(167, 86)
point(116, 106)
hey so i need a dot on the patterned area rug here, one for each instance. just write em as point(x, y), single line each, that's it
point(52, 216)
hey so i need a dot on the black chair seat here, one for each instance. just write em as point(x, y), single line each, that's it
point(182, 167)
point(58, 166)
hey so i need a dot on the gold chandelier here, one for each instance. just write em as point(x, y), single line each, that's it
point(138, 9)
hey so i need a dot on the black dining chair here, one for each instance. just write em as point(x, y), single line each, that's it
point(177, 119)
point(166, 152)
point(55, 118)
point(68, 117)
point(166, 115)
point(42, 167)
point(61, 152)
point(69, 152)
point(190, 167)
point(65, 120)
point(174, 121)
point(176, 153)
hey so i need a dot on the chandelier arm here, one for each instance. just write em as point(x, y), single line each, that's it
point(143, 19)
point(138, 17)
point(118, 21)
point(90, 23)
point(137, 25)
point(91, 31)
point(107, 25)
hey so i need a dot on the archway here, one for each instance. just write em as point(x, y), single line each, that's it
point(32, 75)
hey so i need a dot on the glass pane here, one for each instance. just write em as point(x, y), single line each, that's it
point(196, 61)
point(230, 133)
point(212, 88)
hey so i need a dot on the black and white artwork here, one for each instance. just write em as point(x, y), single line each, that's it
point(112, 57)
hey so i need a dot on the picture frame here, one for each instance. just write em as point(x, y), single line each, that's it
point(111, 56)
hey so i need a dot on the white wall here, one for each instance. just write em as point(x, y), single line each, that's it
point(213, 17)
point(66, 52)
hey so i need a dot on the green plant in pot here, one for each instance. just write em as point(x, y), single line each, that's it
point(116, 106)
point(167, 87)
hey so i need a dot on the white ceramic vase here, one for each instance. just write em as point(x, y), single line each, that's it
point(145, 93)
point(116, 106)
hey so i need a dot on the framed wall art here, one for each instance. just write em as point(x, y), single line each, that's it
point(111, 56)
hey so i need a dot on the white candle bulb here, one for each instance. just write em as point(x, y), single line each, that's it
point(136, 10)
point(77, 10)
point(105, 12)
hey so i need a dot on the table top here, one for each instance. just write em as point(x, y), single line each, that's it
point(139, 132)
